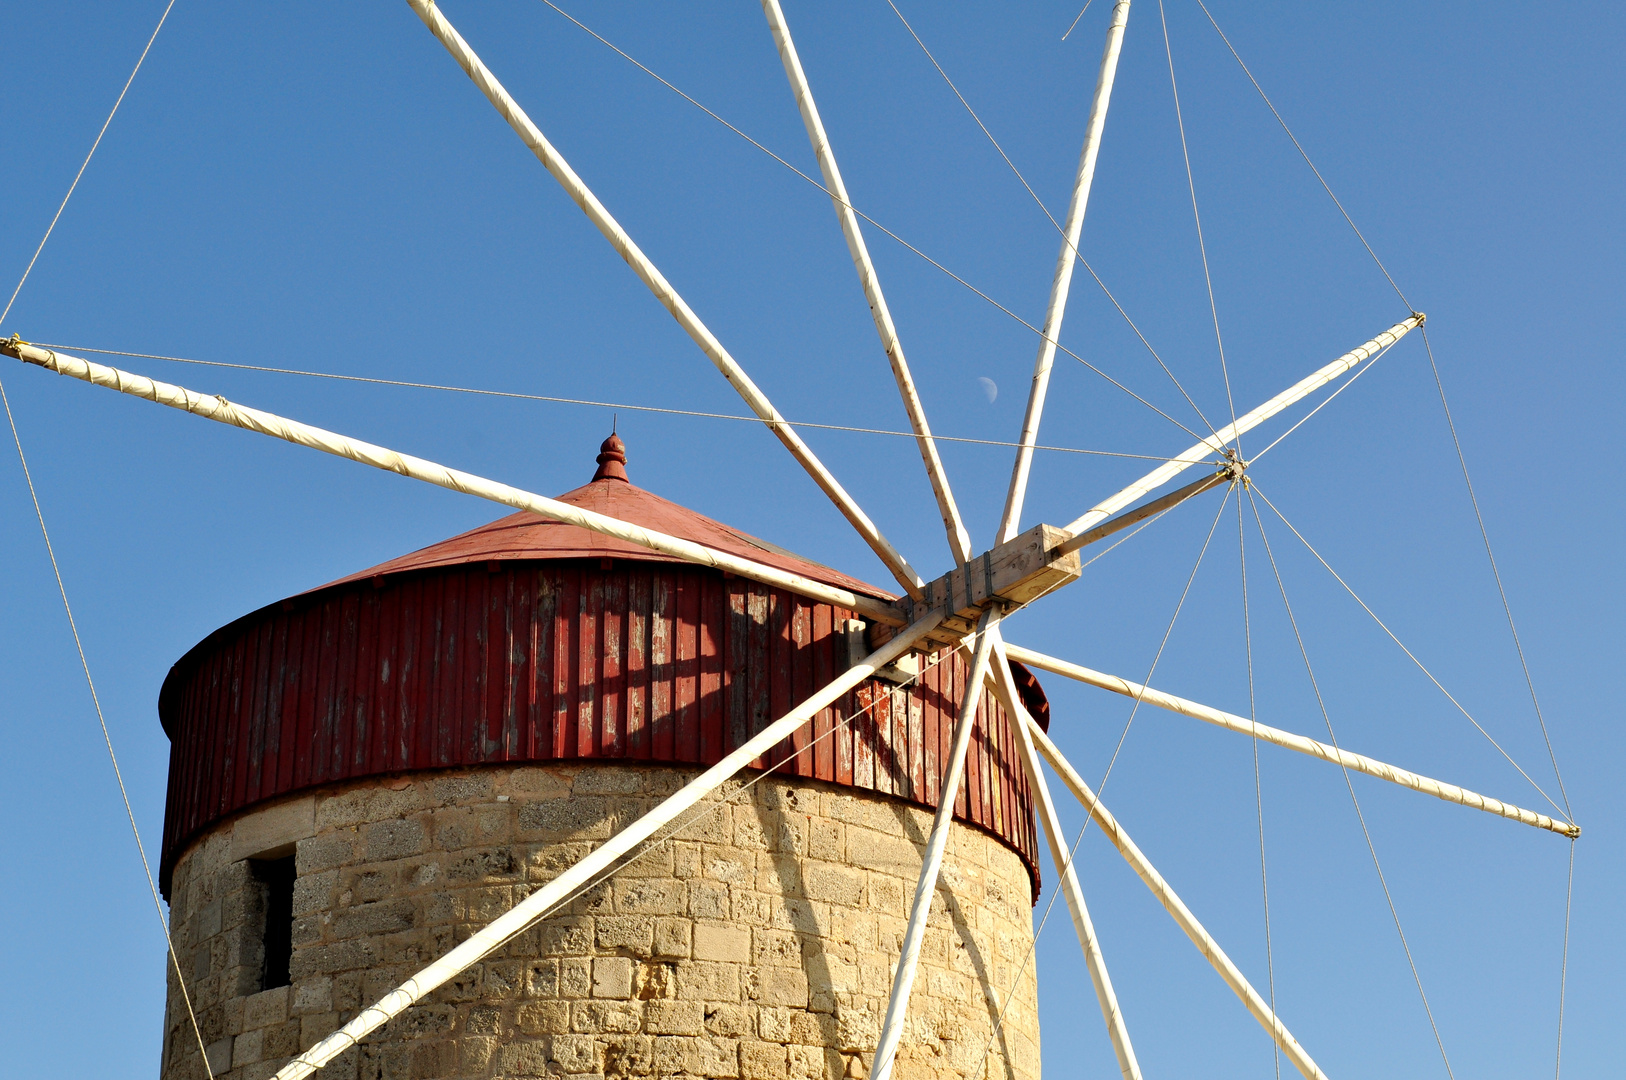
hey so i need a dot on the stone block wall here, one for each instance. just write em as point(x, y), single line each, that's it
point(754, 943)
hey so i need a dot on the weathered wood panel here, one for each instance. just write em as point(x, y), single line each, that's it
point(503, 662)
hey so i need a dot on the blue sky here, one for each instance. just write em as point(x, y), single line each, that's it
point(320, 188)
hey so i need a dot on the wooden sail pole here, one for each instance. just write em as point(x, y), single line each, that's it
point(1277, 737)
point(1172, 903)
point(903, 978)
point(1063, 278)
point(214, 407)
point(959, 539)
point(662, 289)
point(1216, 443)
point(1004, 685)
point(1151, 509)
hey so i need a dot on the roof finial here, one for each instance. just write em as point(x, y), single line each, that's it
point(612, 459)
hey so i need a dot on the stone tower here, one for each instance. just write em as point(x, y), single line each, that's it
point(363, 774)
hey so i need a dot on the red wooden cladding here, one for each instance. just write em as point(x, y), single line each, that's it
point(512, 662)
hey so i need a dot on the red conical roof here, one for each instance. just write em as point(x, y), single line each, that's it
point(526, 536)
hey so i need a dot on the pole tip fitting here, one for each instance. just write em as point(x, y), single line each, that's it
point(19, 349)
point(1420, 317)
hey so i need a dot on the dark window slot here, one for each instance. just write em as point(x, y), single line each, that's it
point(276, 876)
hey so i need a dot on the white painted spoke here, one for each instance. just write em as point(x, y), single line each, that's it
point(662, 289)
point(1216, 443)
point(1242, 725)
point(959, 539)
point(1063, 278)
point(214, 407)
point(903, 979)
point(1005, 686)
point(1172, 903)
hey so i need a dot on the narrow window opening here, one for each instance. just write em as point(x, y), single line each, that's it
point(277, 878)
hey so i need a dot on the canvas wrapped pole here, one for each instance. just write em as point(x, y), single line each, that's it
point(561, 888)
point(1286, 739)
point(662, 289)
point(1172, 903)
point(1062, 281)
point(903, 978)
point(1215, 444)
point(1117, 1031)
point(217, 408)
point(959, 539)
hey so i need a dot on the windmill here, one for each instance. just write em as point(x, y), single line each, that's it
point(961, 609)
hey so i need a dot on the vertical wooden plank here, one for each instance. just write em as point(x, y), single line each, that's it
point(209, 748)
point(258, 652)
point(483, 648)
point(683, 607)
point(425, 701)
point(590, 662)
point(238, 723)
point(208, 688)
point(612, 688)
point(993, 774)
point(235, 778)
point(566, 674)
point(971, 800)
point(468, 690)
point(923, 722)
point(637, 674)
point(738, 664)
point(513, 661)
point(530, 654)
point(474, 686)
point(431, 634)
point(412, 678)
point(544, 625)
point(381, 739)
point(310, 657)
point(759, 665)
point(363, 681)
point(331, 723)
point(885, 745)
point(346, 646)
point(777, 649)
point(801, 683)
point(861, 719)
point(208, 766)
point(711, 642)
point(653, 688)
point(441, 729)
point(276, 677)
point(190, 770)
point(816, 661)
point(979, 719)
point(989, 759)
point(496, 651)
point(292, 678)
point(892, 714)
point(640, 673)
point(1004, 818)
point(883, 769)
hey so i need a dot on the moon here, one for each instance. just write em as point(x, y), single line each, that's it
point(989, 390)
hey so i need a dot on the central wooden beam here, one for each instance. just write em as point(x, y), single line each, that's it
point(1012, 575)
